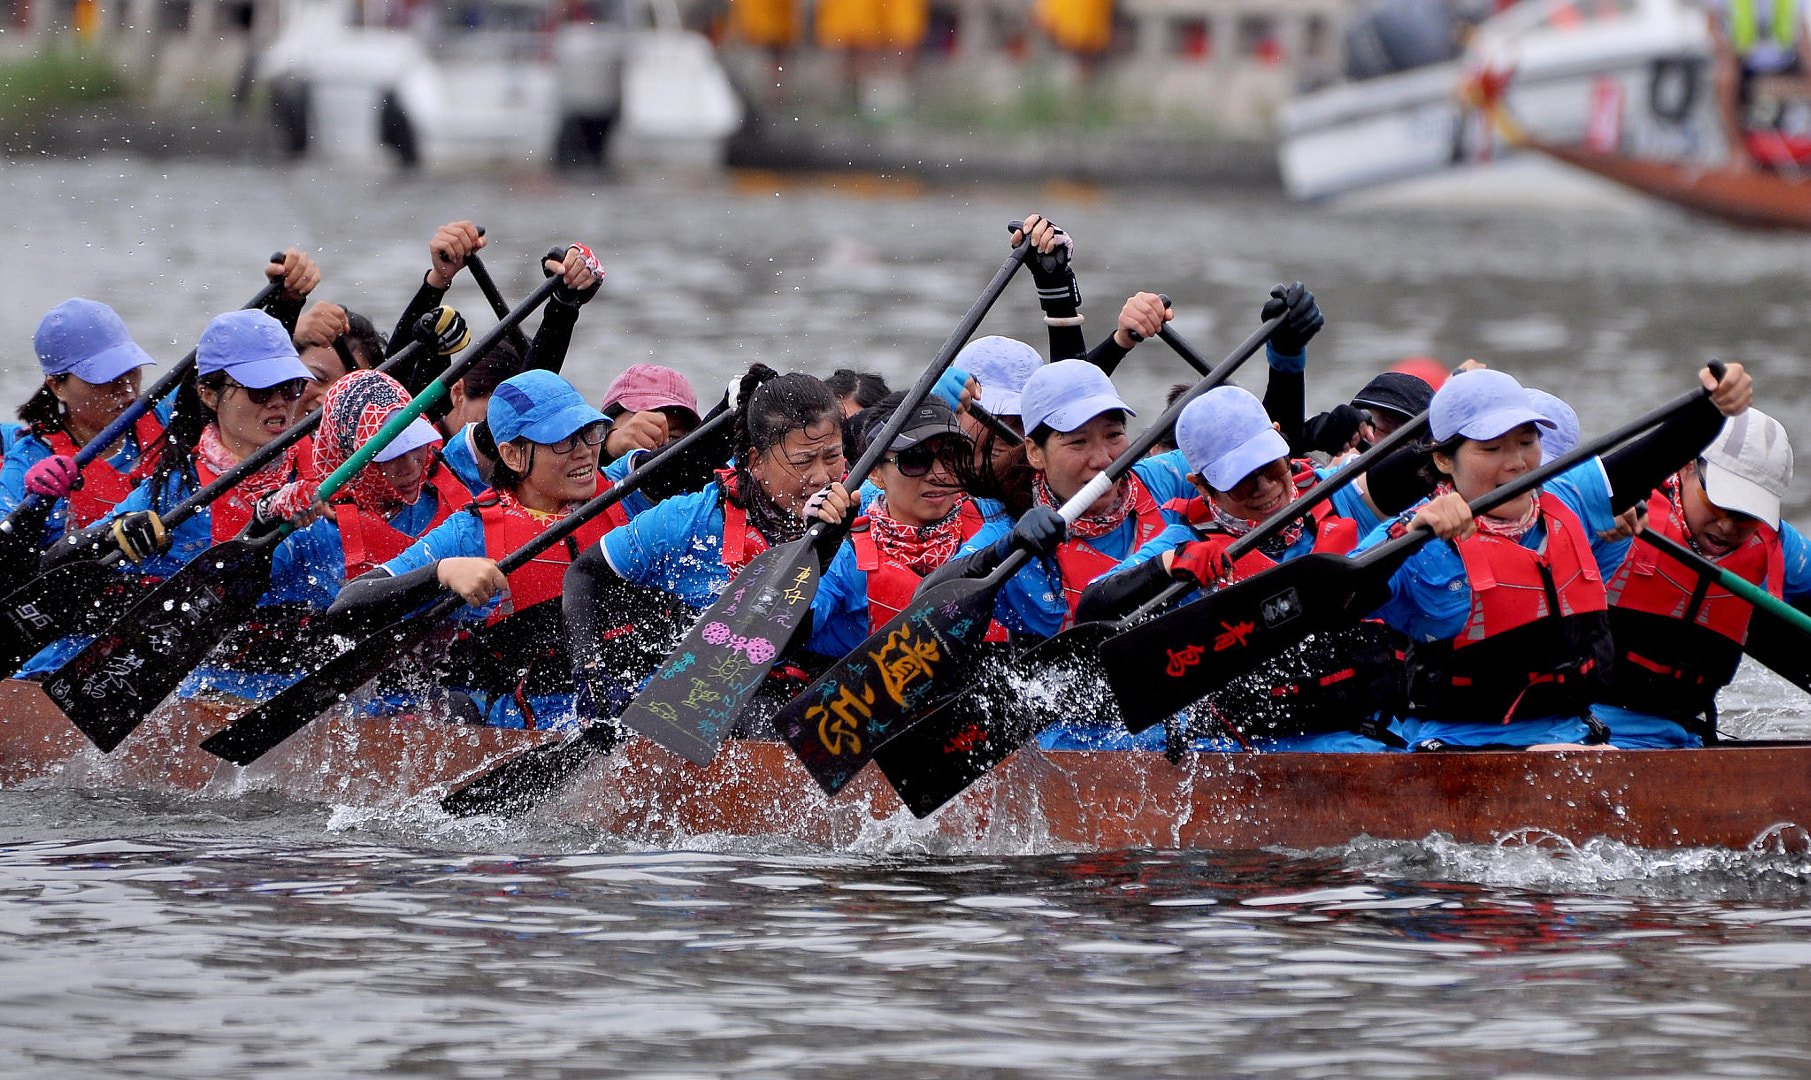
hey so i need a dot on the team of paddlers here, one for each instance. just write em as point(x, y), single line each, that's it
point(1538, 622)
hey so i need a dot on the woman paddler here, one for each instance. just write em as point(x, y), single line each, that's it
point(921, 517)
point(403, 493)
point(247, 389)
point(92, 372)
point(1319, 694)
point(676, 557)
point(1506, 618)
point(1678, 637)
point(1076, 425)
point(516, 670)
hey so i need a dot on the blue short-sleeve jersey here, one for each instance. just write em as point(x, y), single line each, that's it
point(675, 545)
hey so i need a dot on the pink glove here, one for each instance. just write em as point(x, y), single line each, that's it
point(54, 477)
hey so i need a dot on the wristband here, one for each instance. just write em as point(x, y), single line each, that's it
point(1065, 320)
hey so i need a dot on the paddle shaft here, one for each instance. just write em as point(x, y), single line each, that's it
point(996, 425)
point(120, 424)
point(1742, 587)
point(263, 728)
point(822, 532)
point(481, 275)
point(431, 393)
point(1393, 552)
point(1280, 520)
point(1135, 451)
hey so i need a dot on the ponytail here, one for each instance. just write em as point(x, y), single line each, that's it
point(188, 418)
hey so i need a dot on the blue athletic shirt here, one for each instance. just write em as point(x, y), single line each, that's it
point(675, 545)
point(463, 460)
point(1430, 599)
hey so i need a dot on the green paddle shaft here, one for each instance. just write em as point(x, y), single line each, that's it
point(1743, 588)
point(432, 393)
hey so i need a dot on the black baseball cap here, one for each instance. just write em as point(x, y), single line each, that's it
point(929, 420)
point(1397, 392)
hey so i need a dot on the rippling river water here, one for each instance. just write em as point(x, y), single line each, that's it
point(240, 935)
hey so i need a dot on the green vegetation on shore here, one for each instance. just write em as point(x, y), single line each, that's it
point(53, 79)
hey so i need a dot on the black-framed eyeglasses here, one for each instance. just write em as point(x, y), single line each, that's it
point(593, 433)
point(292, 390)
point(914, 462)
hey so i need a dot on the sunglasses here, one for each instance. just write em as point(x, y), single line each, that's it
point(915, 462)
point(593, 434)
point(261, 395)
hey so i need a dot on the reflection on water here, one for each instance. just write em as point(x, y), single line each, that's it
point(246, 934)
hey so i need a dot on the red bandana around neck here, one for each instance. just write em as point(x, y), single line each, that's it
point(923, 548)
point(1088, 528)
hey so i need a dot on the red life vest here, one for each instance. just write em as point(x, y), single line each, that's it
point(1679, 635)
point(103, 486)
point(508, 526)
point(1080, 562)
point(231, 512)
point(741, 541)
point(1333, 535)
point(891, 583)
point(368, 541)
point(1537, 640)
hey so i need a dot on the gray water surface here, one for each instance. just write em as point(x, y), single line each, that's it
point(245, 935)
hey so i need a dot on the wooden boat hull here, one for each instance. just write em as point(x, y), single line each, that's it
point(1732, 796)
point(1757, 199)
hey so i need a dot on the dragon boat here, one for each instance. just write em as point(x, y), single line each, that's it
point(1730, 795)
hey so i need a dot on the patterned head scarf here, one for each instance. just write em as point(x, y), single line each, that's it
point(356, 407)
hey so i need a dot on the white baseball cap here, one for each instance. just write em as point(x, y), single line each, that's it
point(1067, 394)
point(1225, 435)
point(1748, 466)
point(1481, 404)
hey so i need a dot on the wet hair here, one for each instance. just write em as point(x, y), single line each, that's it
point(865, 388)
point(502, 477)
point(43, 411)
point(363, 341)
point(1427, 448)
point(774, 404)
point(503, 361)
point(1041, 434)
point(861, 425)
point(188, 418)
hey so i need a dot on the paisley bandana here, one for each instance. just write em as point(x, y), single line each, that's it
point(212, 452)
point(1507, 530)
point(355, 409)
point(922, 548)
point(1088, 528)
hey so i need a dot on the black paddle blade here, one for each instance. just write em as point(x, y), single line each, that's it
point(937, 758)
point(113, 684)
point(524, 780)
point(692, 700)
point(903, 671)
point(259, 731)
point(1171, 662)
point(71, 599)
